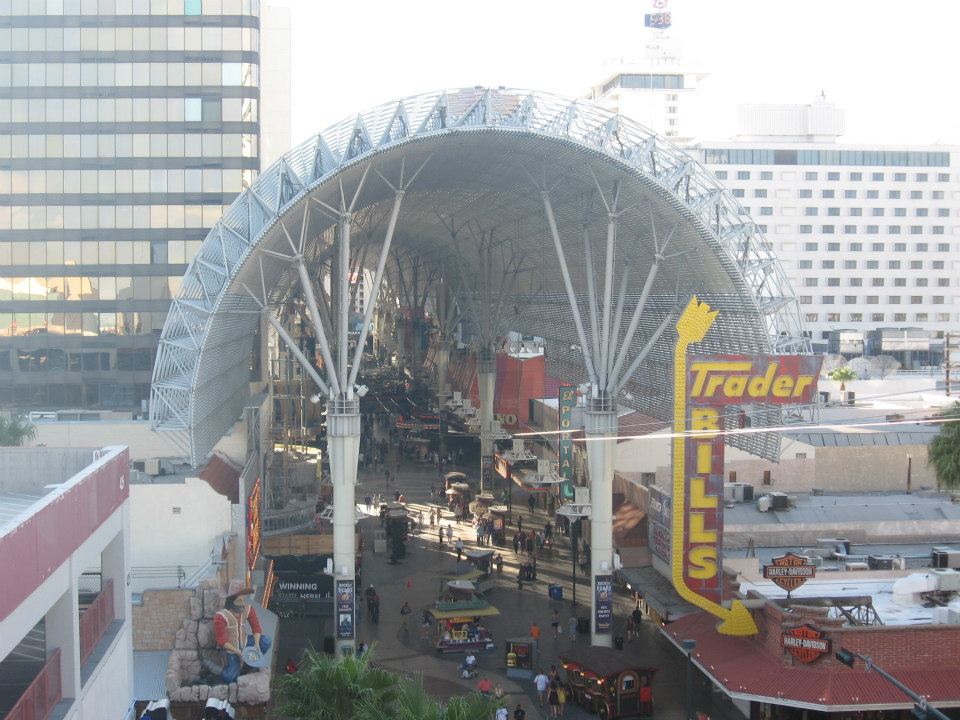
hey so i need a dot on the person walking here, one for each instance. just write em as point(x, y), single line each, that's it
point(553, 698)
point(535, 634)
point(519, 713)
point(449, 532)
point(458, 545)
point(531, 502)
point(519, 523)
point(555, 623)
point(479, 534)
point(516, 543)
point(425, 625)
point(440, 536)
point(542, 682)
point(433, 517)
point(572, 628)
point(405, 612)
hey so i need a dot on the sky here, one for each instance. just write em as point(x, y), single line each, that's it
point(891, 65)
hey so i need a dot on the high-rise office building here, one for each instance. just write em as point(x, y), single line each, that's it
point(867, 234)
point(126, 127)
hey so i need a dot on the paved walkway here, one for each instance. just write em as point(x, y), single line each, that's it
point(417, 581)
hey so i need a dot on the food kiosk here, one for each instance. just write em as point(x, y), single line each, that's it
point(458, 497)
point(520, 656)
point(459, 626)
point(498, 513)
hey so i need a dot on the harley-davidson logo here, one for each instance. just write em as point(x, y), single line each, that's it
point(789, 571)
point(805, 643)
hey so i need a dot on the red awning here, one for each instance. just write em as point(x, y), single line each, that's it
point(222, 477)
point(748, 672)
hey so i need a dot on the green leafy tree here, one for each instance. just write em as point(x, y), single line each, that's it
point(842, 375)
point(944, 451)
point(414, 703)
point(328, 688)
point(15, 431)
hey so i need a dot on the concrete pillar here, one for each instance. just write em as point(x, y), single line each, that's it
point(443, 362)
point(343, 444)
point(487, 385)
point(115, 565)
point(600, 425)
point(63, 633)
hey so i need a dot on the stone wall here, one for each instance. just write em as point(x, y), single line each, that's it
point(157, 620)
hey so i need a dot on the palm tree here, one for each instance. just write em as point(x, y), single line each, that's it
point(944, 451)
point(841, 375)
point(414, 703)
point(14, 431)
point(328, 688)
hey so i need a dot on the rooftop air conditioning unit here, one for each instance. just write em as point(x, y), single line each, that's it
point(947, 580)
point(152, 466)
point(747, 492)
point(730, 491)
point(815, 560)
point(878, 562)
point(779, 500)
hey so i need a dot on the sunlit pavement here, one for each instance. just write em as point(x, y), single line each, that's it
point(417, 580)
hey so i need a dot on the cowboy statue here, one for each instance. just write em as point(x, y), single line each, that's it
point(229, 627)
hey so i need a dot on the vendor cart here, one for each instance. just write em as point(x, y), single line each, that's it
point(521, 657)
point(605, 682)
point(498, 513)
point(458, 497)
point(459, 626)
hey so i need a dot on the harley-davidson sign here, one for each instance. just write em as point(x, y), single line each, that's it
point(790, 571)
point(805, 643)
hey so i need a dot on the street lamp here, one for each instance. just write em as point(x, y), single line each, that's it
point(909, 473)
point(689, 646)
point(920, 707)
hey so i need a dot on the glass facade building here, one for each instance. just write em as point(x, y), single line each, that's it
point(126, 128)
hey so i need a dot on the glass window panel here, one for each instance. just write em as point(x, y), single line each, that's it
point(192, 109)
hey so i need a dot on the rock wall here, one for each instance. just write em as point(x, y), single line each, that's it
point(157, 619)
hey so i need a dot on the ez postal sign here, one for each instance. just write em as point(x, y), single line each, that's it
point(704, 385)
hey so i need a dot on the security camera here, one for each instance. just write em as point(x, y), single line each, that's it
point(360, 390)
point(584, 388)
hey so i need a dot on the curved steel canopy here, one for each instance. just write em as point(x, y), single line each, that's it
point(485, 156)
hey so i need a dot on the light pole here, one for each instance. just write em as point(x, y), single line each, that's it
point(689, 646)
point(920, 707)
point(909, 473)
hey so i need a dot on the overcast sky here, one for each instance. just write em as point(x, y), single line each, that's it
point(892, 65)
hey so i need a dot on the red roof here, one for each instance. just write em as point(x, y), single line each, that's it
point(222, 477)
point(745, 668)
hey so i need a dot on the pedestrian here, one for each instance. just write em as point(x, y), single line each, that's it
point(519, 713)
point(520, 579)
point(433, 517)
point(479, 534)
point(404, 613)
point(542, 682)
point(555, 623)
point(535, 634)
point(531, 502)
point(425, 625)
point(449, 532)
point(572, 628)
point(562, 694)
point(440, 535)
point(548, 531)
point(553, 698)
point(529, 544)
point(433, 491)
point(637, 618)
point(459, 547)
point(519, 523)
point(499, 559)
point(501, 714)
point(516, 543)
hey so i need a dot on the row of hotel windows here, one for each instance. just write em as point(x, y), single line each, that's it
point(129, 7)
point(875, 247)
point(835, 176)
point(900, 158)
point(100, 75)
point(875, 282)
point(873, 300)
point(856, 212)
point(93, 110)
point(99, 217)
point(847, 194)
point(74, 289)
point(871, 265)
point(56, 359)
point(97, 252)
point(124, 145)
point(875, 230)
point(876, 317)
point(121, 181)
point(128, 39)
point(88, 324)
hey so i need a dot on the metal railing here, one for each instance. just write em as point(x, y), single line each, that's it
point(95, 621)
point(42, 695)
point(276, 523)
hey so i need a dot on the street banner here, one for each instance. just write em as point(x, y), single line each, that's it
point(345, 609)
point(567, 401)
point(659, 525)
point(603, 603)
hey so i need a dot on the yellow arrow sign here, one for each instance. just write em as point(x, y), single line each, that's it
point(692, 326)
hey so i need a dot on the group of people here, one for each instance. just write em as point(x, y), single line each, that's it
point(484, 531)
point(553, 690)
point(532, 542)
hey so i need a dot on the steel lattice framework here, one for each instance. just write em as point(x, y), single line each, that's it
point(486, 158)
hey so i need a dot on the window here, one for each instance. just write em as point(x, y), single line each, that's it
point(810, 247)
point(893, 299)
point(743, 174)
point(849, 264)
point(806, 193)
point(899, 212)
point(916, 264)
point(873, 265)
point(877, 247)
point(856, 317)
point(899, 282)
point(893, 264)
point(876, 212)
point(832, 317)
point(921, 212)
point(893, 195)
point(921, 282)
point(810, 317)
point(921, 177)
point(856, 247)
point(856, 177)
point(916, 194)
point(806, 299)
point(833, 212)
point(809, 176)
point(943, 282)
point(877, 177)
point(766, 175)
point(943, 212)
point(899, 247)
point(937, 299)
point(899, 177)
point(833, 176)
point(943, 317)
point(192, 109)
point(921, 247)
point(936, 195)
point(877, 282)
point(827, 264)
point(759, 193)
point(826, 300)
point(849, 194)
point(915, 299)
point(849, 299)
point(810, 211)
point(898, 317)
point(191, 7)
point(876, 317)
point(807, 230)
point(873, 230)
point(833, 282)
point(828, 230)
point(856, 282)
point(810, 282)
point(856, 212)
point(766, 211)
point(943, 177)
point(872, 300)
point(938, 264)
point(805, 264)
point(850, 229)
point(873, 194)
point(937, 229)
point(922, 317)
point(738, 192)
point(893, 229)
point(832, 247)
point(826, 194)
point(721, 174)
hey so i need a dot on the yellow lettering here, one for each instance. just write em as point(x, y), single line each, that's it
point(760, 385)
point(782, 386)
point(703, 370)
point(702, 562)
point(698, 494)
point(714, 382)
point(735, 386)
point(698, 531)
point(705, 419)
point(704, 457)
point(803, 382)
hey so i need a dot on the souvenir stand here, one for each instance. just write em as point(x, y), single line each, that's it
point(521, 657)
point(459, 626)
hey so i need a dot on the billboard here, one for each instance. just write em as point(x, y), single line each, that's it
point(567, 398)
point(704, 388)
point(345, 608)
point(659, 512)
point(603, 603)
